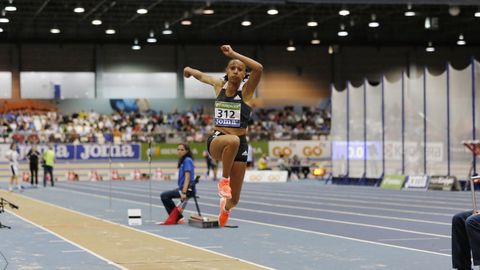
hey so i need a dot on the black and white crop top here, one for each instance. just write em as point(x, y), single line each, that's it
point(231, 111)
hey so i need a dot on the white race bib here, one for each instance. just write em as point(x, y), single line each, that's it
point(227, 114)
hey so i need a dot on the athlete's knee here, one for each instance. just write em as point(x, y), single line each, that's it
point(233, 141)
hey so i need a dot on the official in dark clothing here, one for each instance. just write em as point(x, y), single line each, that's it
point(33, 156)
point(465, 240)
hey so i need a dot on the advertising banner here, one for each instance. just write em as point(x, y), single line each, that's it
point(168, 151)
point(442, 182)
point(102, 151)
point(81, 151)
point(417, 182)
point(357, 150)
point(434, 150)
point(254, 176)
point(393, 182)
point(372, 150)
point(303, 149)
point(62, 151)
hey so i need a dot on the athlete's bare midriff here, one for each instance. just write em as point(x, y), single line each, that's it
point(232, 131)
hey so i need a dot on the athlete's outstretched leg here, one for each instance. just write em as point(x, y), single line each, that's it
point(236, 182)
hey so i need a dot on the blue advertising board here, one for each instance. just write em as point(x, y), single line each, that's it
point(102, 151)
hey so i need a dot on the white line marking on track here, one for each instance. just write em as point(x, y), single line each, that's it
point(271, 225)
point(73, 251)
point(213, 247)
point(408, 239)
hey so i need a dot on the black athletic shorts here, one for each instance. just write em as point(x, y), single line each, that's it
point(242, 153)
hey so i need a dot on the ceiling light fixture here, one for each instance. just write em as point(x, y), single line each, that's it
point(55, 30)
point(477, 14)
point(96, 22)
point(454, 10)
point(78, 9)
point(142, 10)
point(186, 19)
point(428, 23)
point(167, 30)
point(135, 45)
point(10, 7)
point(272, 11)
point(208, 10)
point(1, 30)
point(373, 23)
point(330, 49)
point(246, 22)
point(461, 40)
point(342, 32)
point(430, 47)
point(151, 37)
point(312, 23)
point(315, 40)
point(290, 46)
point(110, 31)
point(344, 12)
point(4, 19)
point(186, 22)
point(409, 12)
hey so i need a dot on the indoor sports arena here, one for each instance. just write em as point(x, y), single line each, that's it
point(239, 134)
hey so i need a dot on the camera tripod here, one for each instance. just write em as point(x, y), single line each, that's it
point(4, 202)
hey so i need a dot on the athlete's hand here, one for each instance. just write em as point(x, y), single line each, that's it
point(187, 72)
point(227, 50)
point(477, 212)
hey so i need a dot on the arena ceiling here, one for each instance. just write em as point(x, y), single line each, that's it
point(34, 20)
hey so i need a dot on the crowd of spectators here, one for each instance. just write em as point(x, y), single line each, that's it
point(121, 127)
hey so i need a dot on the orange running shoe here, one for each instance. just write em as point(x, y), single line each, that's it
point(224, 214)
point(224, 189)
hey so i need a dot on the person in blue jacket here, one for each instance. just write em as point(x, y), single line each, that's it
point(186, 175)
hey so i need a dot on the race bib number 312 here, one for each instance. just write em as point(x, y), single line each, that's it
point(227, 114)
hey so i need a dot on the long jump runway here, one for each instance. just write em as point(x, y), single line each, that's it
point(296, 225)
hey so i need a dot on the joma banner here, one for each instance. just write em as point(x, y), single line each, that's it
point(103, 151)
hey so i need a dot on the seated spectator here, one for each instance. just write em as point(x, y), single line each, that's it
point(305, 167)
point(295, 165)
point(282, 164)
point(465, 239)
point(262, 163)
